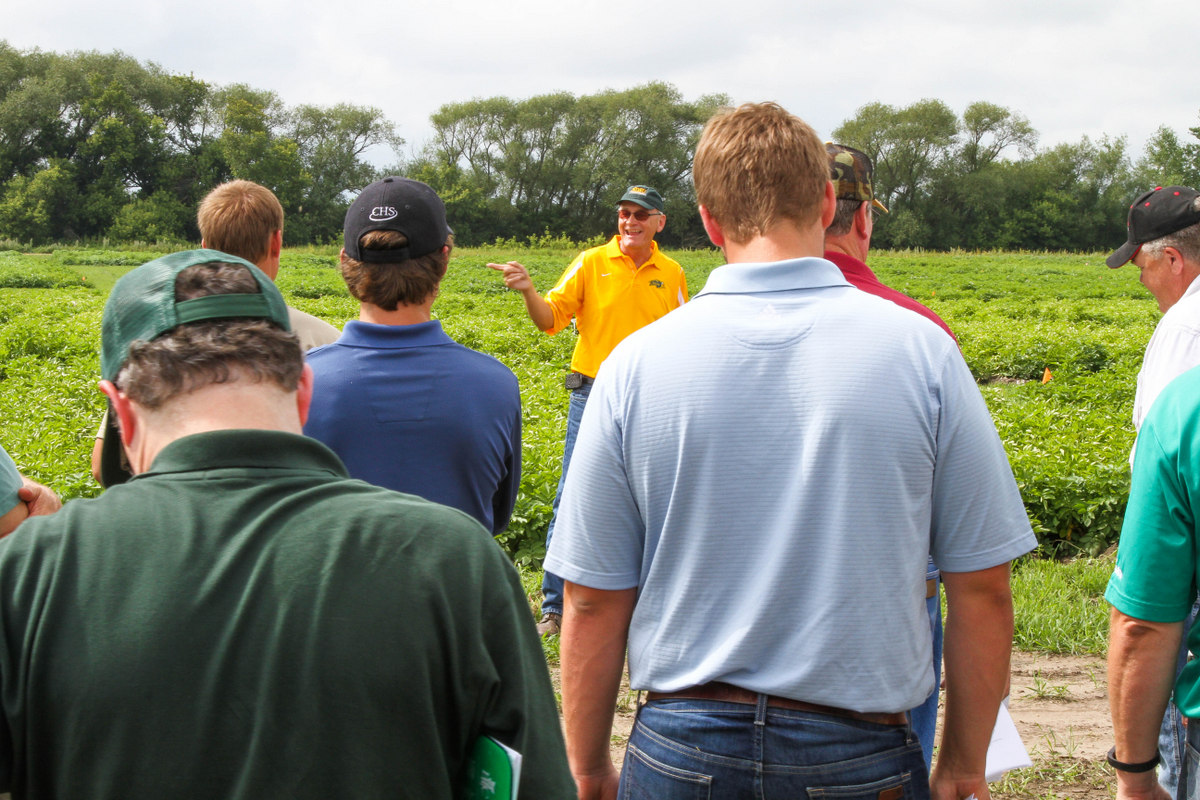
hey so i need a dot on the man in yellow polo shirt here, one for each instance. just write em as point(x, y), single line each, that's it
point(611, 291)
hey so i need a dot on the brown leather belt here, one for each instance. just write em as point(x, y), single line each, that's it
point(727, 693)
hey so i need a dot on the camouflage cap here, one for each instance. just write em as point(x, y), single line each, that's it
point(852, 171)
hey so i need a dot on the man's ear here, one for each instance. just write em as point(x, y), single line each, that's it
point(828, 205)
point(1174, 259)
point(122, 406)
point(276, 246)
point(712, 228)
point(304, 393)
point(863, 215)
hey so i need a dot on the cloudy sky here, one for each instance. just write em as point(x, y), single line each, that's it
point(1072, 67)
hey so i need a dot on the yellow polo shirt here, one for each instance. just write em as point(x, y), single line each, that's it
point(610, 299)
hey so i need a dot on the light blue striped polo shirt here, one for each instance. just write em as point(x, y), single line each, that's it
point(771, 465)
point(10, 482)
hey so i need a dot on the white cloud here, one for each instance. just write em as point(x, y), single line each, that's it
point(1073, 67)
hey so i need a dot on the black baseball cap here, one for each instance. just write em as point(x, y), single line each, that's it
point(401, 205)
point(1155, 214)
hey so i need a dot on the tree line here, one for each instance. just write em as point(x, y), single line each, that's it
point(979, 181)
point(99, 145)
point(559, 163)
point(96, 145)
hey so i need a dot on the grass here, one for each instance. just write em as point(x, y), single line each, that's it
point(1059, 606)
point(1044, 690)
point(101, 276)
point(1058, 776)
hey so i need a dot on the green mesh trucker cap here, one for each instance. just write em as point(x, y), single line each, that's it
point(142, 304)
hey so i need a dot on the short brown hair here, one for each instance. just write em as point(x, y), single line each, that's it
point(239, 218)
point(758, 165)
point(410, 282)
point(197, 354)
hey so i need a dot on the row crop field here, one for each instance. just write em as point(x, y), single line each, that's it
point(1016, 315)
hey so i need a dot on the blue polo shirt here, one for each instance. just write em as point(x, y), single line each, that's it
point(771, 466)
point(408, 408)
point(10, 482)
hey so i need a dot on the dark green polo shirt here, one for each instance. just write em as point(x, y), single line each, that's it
point(244, 621)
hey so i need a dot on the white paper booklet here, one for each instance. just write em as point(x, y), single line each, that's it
point(1006, 751)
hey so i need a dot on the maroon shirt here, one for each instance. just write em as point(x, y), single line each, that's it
point(861, 276)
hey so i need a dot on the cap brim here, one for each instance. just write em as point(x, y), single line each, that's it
point(638, 201)
point(112, 464)
point(1121, 255)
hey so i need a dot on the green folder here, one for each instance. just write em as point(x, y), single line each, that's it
point(493, 771)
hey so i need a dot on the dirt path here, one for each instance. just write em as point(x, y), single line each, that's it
point(1060, 706)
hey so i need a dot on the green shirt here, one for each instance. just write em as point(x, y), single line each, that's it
point(1156, 576)
point(244, 621)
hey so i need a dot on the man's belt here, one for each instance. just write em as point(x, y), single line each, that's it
point(727, 693)
point(574, 380)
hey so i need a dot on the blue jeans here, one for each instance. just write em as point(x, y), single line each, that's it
point(1171, 733)
point(552, 585)
point(704, 748)
point(924, 716)
point(1189, 773)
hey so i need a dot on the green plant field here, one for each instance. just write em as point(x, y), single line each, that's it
point(1015, 315)
point(1018, 314)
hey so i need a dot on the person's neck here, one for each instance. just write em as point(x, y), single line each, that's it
point(846, 246)
point(403, 315)
point(237, 405)
point(640, 255)
point(1190, 275)
point(270, 266)
point(783, 242)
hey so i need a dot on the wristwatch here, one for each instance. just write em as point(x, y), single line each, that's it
point(1144, 766)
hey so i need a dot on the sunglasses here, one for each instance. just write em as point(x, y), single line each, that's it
point(641, 215)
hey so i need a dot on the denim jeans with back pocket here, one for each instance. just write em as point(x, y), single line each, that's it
point(684, 748)
point(552, 585)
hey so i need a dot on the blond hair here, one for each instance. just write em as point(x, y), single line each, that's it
point(758, 165)
point(239, 218)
